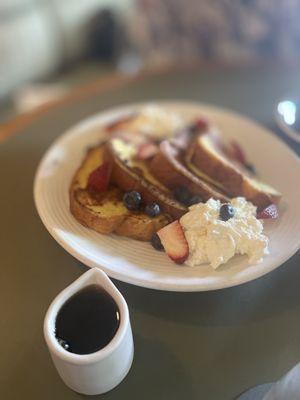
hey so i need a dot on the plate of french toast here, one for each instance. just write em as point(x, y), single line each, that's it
point(172, 195)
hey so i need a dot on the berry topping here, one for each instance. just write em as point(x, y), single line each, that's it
point(195, 200)
point(156, 243)
point(200, 125)
point(132, 200)
point(99, 178)
point(226, 212)
point(182, 194)
point(152, 209)
point(269, 212)
point(174, 242)
point(250, 168)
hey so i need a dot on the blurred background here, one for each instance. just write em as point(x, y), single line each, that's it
point(64, 43)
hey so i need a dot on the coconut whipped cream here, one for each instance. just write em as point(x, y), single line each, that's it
point(214, 241)
point(157, 122)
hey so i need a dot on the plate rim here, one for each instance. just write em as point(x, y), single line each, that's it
point(121, 276)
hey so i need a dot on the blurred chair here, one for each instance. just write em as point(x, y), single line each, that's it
point(37, 37)
point(224, 31)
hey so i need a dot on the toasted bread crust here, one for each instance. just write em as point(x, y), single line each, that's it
point(259, 197)
point(125, 223)
point(141, 227)
point(135, 226)
point(224, 172)
point(207, 159)
point(128, 179)
point(91, 219)
point(167, 167)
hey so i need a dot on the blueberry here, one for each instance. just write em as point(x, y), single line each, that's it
point(156, 243)
point(182, 194)
point(195, 200)
point(251, 168)
point(226, 212)
point(152, 209)
point(132, 200)
point(63, 343)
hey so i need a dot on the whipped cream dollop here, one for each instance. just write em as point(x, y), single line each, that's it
point(214, 241)
point(157, 122)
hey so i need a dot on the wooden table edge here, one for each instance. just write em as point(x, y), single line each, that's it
point(115, 80)
point(21, 121)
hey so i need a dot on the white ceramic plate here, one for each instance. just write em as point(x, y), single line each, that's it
point(138, 263)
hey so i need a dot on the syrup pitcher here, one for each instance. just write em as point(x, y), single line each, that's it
point(88, 333)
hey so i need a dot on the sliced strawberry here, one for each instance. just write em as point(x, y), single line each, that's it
point(174, 242)
point(99, 178)
point(146, 151)
point(269, 212)
point(181, 140)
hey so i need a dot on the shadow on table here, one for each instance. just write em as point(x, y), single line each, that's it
point(150, 374)
point(268, 296)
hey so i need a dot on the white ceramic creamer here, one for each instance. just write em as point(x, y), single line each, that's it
point(97, 372)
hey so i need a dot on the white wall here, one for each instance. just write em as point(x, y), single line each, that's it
point(36, 35)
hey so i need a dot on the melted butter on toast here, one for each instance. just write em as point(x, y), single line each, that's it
point(127, 152)
point(109, 208)
point(93, 161)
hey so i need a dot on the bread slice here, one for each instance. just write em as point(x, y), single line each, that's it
point(105, 212)
point(129, 173)
point(168, 167)
point(208, 161)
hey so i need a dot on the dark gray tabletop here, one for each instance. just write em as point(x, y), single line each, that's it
point(210, 345)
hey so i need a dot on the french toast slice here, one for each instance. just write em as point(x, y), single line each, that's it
point(105, 212)
point(208, 161)
point(168, 167)
point(130, 173)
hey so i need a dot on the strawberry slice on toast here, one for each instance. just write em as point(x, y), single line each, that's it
point(99, 178)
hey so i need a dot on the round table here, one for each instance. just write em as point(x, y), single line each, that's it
point(211, 345)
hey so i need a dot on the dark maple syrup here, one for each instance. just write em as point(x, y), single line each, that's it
point(87, 321)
